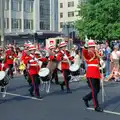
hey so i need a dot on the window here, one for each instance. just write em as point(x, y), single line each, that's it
point(28, 6)
point(6, 5)
point(61, 15)
point(61, 24)
point(41, 10)
point(28, 24)
point(16, 23)
point(6, 23)
point(41, 25)
point(16, 5)
point(71, 4)
point(71, 14)
point(61, 5)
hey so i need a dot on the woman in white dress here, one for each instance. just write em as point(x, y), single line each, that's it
point(115, 56)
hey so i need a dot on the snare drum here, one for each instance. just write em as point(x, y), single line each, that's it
point(2, 75)
point(44, 74)
point(74, 69)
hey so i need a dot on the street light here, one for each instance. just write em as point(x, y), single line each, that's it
point(68, 25)
point(2, 22)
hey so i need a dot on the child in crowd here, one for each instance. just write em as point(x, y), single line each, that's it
point(115, 74)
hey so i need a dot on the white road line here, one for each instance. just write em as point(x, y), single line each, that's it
point(18, 95)
point(106, 111)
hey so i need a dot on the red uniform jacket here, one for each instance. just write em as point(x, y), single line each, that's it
point(10, 58)
point(33, 69)
point(64, 62)
point(92, 64)
point(25, 58)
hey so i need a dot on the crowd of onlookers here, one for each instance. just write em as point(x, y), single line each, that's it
point(111, 57)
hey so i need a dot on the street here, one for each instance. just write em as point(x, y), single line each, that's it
point(57, 105)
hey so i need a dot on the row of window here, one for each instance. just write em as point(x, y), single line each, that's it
point(70, 14)
point(70, 24)
point(44, 26)
point(28, 24)
point(70, 4)
point(16, 5)
point(17, 23)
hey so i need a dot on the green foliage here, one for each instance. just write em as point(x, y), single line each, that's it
point(99, 19)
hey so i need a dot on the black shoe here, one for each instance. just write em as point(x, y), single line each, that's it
point(31, 93)
point(39, 97)
point(86, 102)
point(62, 87)
point(2, 89)
point(98, 109)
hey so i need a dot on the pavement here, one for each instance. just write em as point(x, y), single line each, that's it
point(57, 105)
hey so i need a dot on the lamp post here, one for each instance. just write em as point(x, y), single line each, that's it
point(2, 22)
point(67, 25)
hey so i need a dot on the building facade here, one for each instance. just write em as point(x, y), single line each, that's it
point(67, 11)
point(26, 17)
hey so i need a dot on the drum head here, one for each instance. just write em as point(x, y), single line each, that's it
point(74, 67)
point(44, 72)
point(2, 75)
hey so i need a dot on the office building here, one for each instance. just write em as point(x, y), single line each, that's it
point(67, 11)
point(25, 17)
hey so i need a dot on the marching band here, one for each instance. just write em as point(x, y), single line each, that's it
point(38, 69)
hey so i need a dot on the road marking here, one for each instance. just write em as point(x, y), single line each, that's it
point(18, 95)
point(106, 111)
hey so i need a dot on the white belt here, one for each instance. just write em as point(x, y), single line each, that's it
point(95, 65)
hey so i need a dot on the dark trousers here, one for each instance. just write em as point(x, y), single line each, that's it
point(94, 84)
point(66, 76)
point(55, 75)
point(34, 86)
point(10, 73)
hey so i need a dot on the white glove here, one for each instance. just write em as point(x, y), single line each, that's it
point(86, 45)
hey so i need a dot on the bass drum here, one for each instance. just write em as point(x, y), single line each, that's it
point(44, 74)
point(74, 69)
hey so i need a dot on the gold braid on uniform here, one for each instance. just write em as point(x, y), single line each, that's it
point(91, 58)
point(97, 54)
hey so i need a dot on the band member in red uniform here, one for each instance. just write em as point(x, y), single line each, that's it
point(93, 75)
point(9, 60)
point(25, 58)
point(33, 69)
point(64, 58)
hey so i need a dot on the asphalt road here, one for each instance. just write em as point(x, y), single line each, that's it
point(56, 105)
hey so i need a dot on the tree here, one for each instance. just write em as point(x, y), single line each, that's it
point(99, 19)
